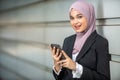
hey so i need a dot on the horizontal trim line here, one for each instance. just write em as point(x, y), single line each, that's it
point(33, 23)
point(115, 54)
point(108, 18)
point(115, 61)
point(32, 43)
point(108, 25)
point(20, 6)
point(63, 21)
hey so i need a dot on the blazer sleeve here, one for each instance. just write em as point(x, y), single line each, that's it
point(58, 77)
point(102, 64)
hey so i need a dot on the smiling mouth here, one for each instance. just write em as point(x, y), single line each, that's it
point(77, 27)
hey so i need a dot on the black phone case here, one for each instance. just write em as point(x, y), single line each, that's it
point(57, 46)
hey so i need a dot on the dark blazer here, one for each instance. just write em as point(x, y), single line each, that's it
point(93, 57)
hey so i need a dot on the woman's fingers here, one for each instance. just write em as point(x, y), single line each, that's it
point(62, 63)
point(65, 55)
point(57, 52)
point(67, 63)
point(53, 51)
point(60, 54)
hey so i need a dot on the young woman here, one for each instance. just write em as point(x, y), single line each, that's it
point(86, 52)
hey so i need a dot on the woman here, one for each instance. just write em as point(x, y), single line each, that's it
point(86, 52)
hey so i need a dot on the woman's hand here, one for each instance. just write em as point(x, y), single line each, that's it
point(56, 54)
point(67, 62)
point(56, 57)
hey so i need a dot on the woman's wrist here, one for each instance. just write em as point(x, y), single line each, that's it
point(57, 67)
point(74, 66)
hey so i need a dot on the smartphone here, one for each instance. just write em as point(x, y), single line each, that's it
point(57, 46)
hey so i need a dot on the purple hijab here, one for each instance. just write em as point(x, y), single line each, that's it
point(88, 11)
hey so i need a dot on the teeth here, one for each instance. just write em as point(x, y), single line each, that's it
point(77, 27)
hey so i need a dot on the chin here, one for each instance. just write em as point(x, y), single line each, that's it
point(79, 31)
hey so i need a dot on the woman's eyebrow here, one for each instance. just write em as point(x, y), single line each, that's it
point(76, 15)
point(79, 14)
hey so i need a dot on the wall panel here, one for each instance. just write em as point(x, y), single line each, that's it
point(112, 34)
point(107, 8)
point(114, 67)
point(28, 27)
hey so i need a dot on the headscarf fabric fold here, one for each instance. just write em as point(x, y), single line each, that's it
point(87, 10)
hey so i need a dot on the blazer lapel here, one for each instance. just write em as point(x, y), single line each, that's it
point(87, 45)
point(71, 44)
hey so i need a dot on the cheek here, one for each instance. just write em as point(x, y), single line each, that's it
point(72, 24)
point(71, 21)
point(85, 24)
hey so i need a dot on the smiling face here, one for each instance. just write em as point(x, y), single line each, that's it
point(78, 21)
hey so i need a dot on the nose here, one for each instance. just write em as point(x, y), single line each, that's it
point(76, 21)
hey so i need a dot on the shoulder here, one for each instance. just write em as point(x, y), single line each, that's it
point(101, 41)
point(97, 37)
point(68, 41)
point(71, 37)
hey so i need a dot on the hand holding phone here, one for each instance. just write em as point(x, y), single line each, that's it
point(57, 46)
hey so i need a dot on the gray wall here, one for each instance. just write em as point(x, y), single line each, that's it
point(27, 27)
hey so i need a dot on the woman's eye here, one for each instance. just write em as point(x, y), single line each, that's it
point(71, 18)
point(79, 17)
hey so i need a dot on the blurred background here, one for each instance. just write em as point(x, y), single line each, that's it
point(28, 27)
